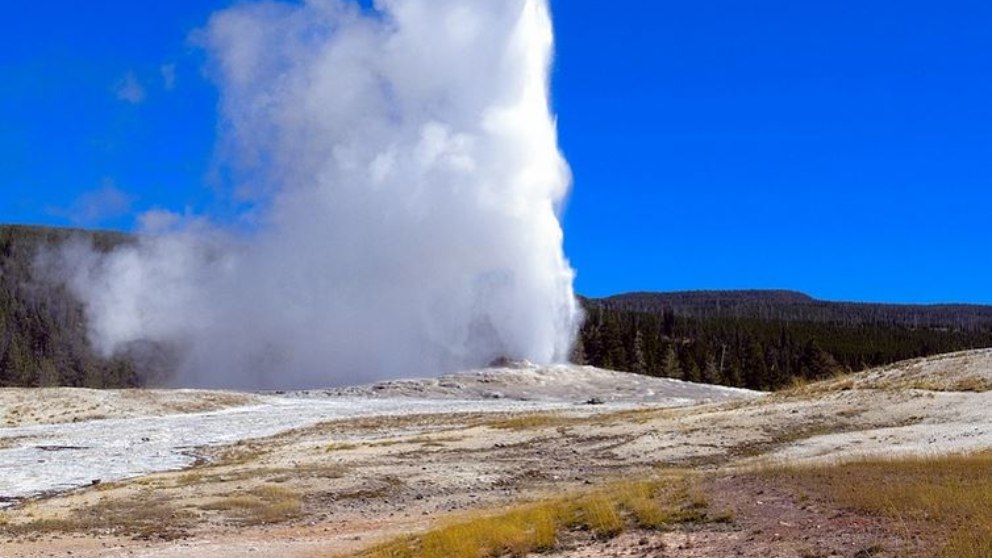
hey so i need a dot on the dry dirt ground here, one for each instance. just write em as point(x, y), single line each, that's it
point(341, 485)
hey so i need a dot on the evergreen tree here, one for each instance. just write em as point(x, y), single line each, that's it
point(711, 374)
point(640, 364)
point(671, 369)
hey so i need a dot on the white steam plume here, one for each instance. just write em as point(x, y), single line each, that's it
point(406, 179)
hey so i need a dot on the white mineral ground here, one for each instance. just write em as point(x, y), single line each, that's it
point(148, 435)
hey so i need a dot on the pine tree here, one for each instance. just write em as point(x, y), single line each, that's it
point(711, 374)
point(671, 368)
point(755, 370)
point(692, 372)
point(640, 364)
point(578, 353)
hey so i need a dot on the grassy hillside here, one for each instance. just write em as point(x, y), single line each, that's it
point(42, 328)
point(768, 339)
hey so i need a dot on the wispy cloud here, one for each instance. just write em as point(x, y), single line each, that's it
point(159, 221)
point(97, 206)
point(129, 89)
point(168, 76)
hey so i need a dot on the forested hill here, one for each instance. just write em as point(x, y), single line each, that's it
point(791, 306)
point(42, 328)
point(766, 339)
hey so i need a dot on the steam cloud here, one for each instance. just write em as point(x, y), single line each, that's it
point(403, 167)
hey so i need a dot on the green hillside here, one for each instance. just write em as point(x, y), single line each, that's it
point(42, 328)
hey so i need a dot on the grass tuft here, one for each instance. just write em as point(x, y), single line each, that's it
point(537, 527)
point(263, 505)
point(949, 494)
point(601, 514)
point(534, 421)
point(144, 517)
point(542, 420)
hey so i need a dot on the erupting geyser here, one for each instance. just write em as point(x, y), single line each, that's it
point(404, 177)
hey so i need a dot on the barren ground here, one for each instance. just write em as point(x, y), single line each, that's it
point(332, 482)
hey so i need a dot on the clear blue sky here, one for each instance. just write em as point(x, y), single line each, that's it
point(842, 148)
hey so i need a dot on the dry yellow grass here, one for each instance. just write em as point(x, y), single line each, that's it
point(974, 384)
point(534, 421)
point(149, 514)
point(143, 516)
point(537, 527)
point(635, 416)
point(600, 513)
point(265, 504)
point(240, 453)
point(950, 495)
point(803, 389)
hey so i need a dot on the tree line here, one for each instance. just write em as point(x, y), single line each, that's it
point(755, 352)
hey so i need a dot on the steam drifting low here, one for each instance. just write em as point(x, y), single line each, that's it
point(405, 179)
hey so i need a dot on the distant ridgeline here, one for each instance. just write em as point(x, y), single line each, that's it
point(42, 329)
point(766, 339)
point(756, 339)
